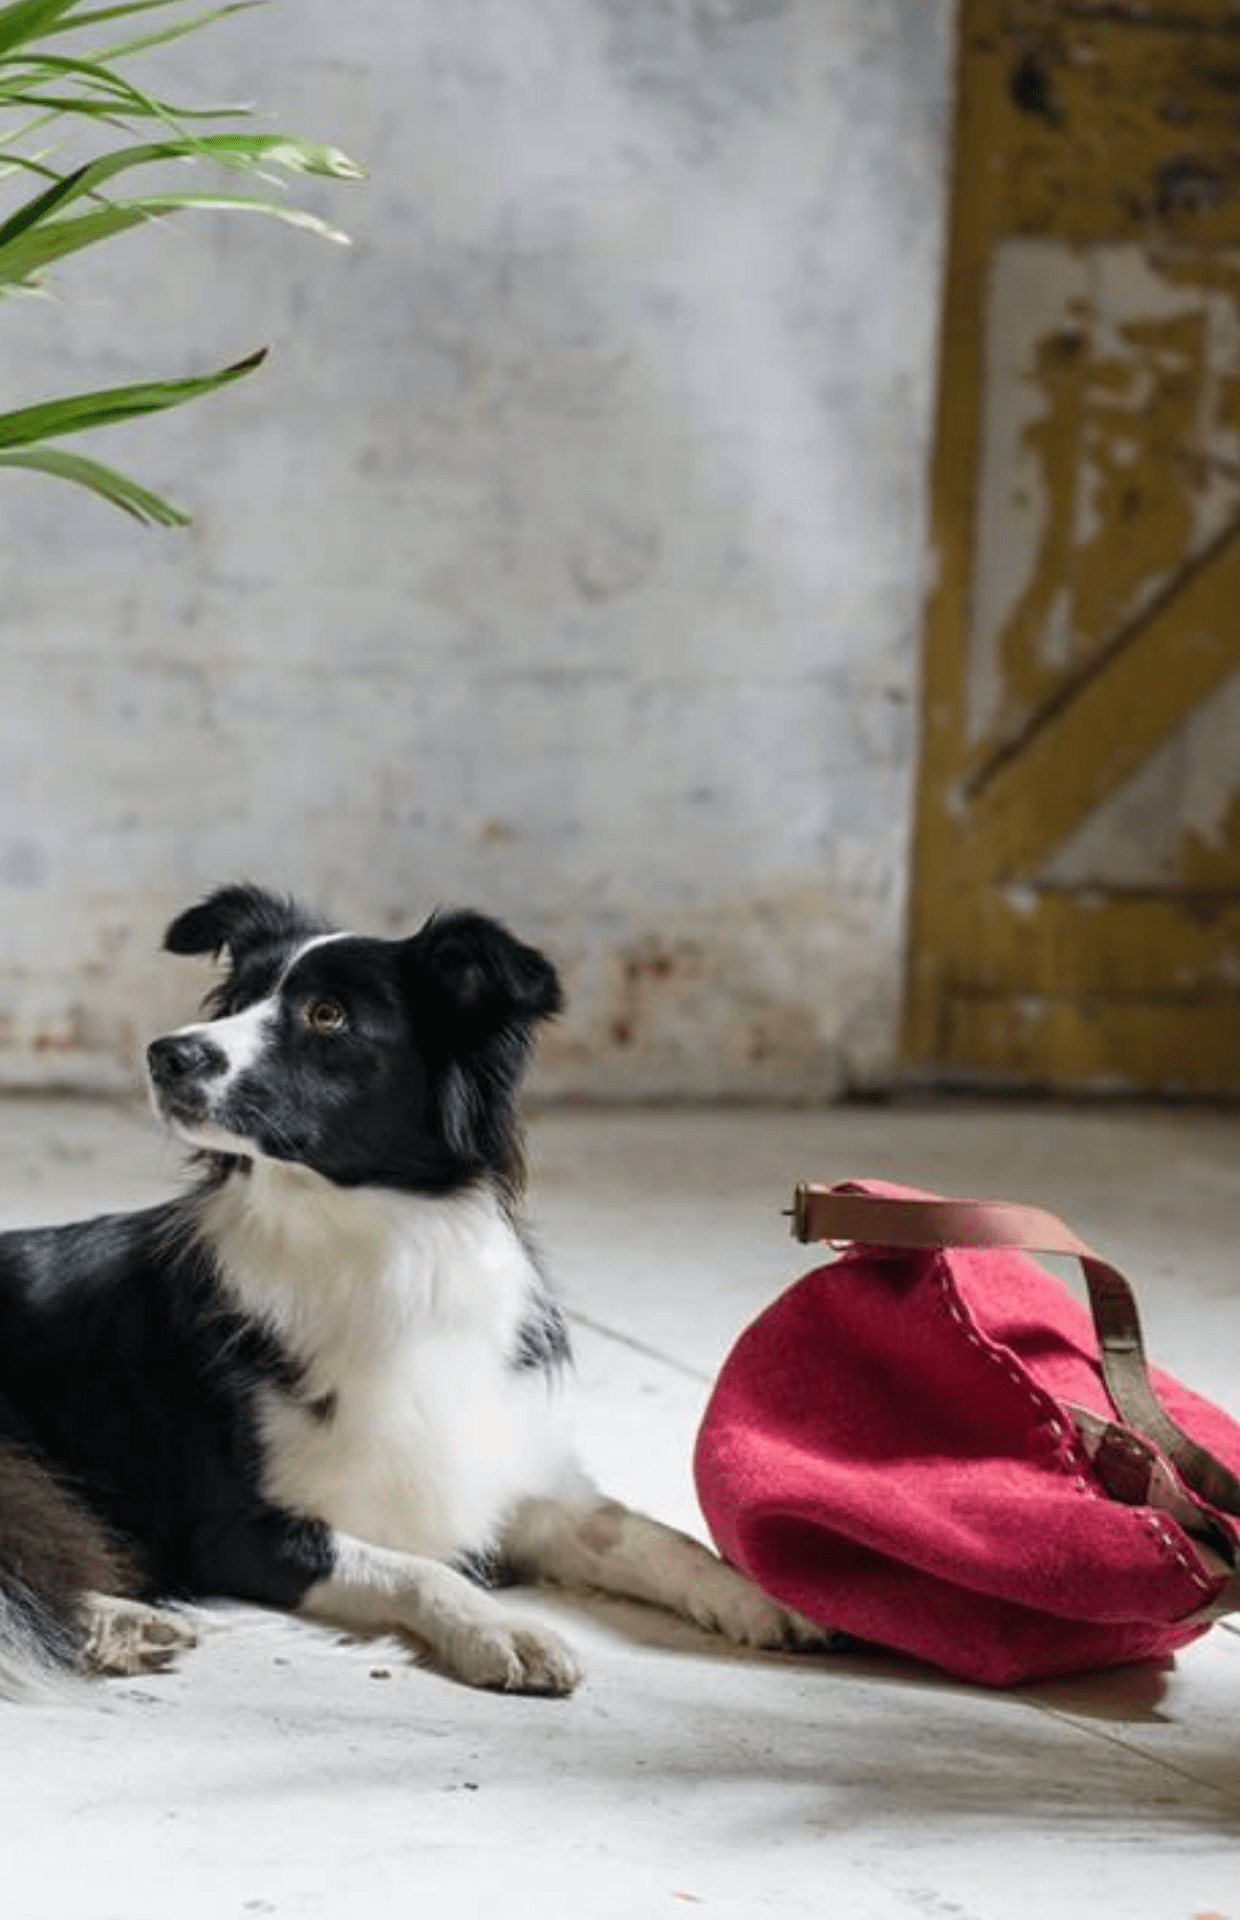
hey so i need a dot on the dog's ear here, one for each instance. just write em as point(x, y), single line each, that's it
point(237, 918)
point(482, 976)
point(476, 994)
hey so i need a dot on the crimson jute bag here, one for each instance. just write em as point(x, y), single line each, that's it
point(931, 1444)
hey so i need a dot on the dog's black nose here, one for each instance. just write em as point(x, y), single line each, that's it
point(183, 1056)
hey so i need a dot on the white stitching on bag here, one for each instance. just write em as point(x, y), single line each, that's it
point(1041, 1401)
point(1158, 1527)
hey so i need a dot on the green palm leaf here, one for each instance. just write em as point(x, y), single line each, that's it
point(49, 419)
point(23, 19)
point(110, 485)
point(94, 17)
point(89, 90)
point(163, 35)
point(245, 151)
point(22, 259)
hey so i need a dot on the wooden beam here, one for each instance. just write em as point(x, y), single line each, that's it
point(1024, 803)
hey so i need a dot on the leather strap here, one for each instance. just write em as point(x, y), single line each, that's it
point(845, 1213)
point(1134, 1472)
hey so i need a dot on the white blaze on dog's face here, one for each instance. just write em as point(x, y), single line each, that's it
point(194, 1071)
point(377, 1062)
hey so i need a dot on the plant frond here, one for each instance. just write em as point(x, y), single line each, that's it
point(80, 412)
point(117, 488)
point(72, 206)
point(23, 20)
point(31, 252)
point(141, 43)
point(242, 151)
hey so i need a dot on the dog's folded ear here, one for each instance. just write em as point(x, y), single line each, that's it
point(483, 977)
point(236, 918)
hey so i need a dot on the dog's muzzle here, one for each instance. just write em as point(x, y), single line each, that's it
point(180, 1064)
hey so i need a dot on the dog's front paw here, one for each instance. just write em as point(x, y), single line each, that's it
point(508, 1656)
point(124, 1636)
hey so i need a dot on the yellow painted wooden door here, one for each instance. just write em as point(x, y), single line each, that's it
point(1076, 903)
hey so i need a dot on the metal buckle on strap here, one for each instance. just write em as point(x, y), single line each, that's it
point(798, 1212)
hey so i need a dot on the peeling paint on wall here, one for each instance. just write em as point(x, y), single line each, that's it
point(1111, 455)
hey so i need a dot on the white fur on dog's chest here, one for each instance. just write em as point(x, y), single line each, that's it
point(425, 1450)
point(411, 1427)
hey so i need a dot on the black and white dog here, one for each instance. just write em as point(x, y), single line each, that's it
point(324, 1378)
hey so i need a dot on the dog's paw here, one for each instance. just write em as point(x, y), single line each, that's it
point(125, 1636)
point(742, 1613)
point(509, 1656)
point(781, 1630)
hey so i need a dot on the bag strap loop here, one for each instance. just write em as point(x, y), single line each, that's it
point(847, 1213)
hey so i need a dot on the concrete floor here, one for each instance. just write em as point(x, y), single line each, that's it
point(282, 1772)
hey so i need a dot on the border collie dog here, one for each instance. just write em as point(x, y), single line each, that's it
point(323, 1379)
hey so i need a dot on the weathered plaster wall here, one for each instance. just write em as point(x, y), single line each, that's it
point(566, 558)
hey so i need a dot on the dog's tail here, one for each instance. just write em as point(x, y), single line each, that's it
point(53, 1553)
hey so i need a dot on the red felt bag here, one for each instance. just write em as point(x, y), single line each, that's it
point(931, 1444)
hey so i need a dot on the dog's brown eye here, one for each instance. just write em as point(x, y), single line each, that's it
point(325, 1016)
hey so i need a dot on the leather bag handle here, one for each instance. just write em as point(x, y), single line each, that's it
point(845, 1213)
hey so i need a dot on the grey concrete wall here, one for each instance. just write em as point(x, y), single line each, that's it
point(566, 559)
